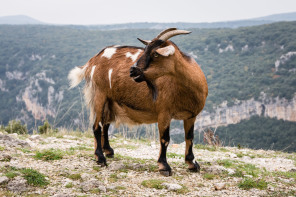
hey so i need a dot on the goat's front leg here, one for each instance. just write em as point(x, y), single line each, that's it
point(109, 152)
point(164, 137)
point(189, 135)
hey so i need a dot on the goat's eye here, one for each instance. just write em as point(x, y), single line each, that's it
point(155, 55)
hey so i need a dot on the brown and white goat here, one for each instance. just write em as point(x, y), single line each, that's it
point(175, 88)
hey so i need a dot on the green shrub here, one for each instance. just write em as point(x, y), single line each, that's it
point(15, 126)
point(46, 128)
point(34, 177)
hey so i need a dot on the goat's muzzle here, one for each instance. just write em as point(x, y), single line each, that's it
point(137, 74)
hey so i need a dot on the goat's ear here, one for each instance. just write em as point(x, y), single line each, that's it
point(166, 51)
point(146, 42)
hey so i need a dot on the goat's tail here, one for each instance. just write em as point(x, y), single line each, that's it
point(76, 75)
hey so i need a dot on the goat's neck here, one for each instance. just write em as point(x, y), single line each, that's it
point(189, 75)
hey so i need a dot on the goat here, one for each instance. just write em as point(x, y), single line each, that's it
point(175, 88)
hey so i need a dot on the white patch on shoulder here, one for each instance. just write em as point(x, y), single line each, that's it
point(92, 72)
point(116, 46)
point(109, 52)
point(135, 56)
point(109, 74)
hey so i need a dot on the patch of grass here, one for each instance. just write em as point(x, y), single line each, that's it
point(49, 154)
point(25, 150)
point(34, 177)
point(153, 183)
point(183, 190)
point(11, 174)
point(227, 163)
point(74, 176)
point(286, 174)
point(2, 148)
point(249, 183)
point(81, 148)
point(223, 149)
point(175, 155)
point(209, 176)
point(205, 147)
point(69, 185)
point(282, 193)
point(97, 168)
point(113, 178)
point(249, 169)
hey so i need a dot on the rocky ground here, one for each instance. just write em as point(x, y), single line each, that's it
point(62, 164)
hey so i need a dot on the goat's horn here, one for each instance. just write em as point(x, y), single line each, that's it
point(167, 34)
point(165, 31)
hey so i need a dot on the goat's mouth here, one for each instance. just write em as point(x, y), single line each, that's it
point(137, 74)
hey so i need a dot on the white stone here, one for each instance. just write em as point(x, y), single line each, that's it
point(172, 186)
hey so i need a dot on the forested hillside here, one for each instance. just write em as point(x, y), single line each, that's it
point(240, 64)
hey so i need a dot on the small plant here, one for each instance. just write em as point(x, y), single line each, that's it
point(50, 154)
point(183, 190)
point(209, 176)
point(69, 185)
point(2, 148)
point(15, 126)
point(11, 174)
point(34, 177)
point(226, 163)
point(153, 183)
point(249, 183)
point(74, 176)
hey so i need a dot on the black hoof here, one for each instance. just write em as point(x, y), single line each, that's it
point(102, 161)
point(196, 167)
point(166, 172)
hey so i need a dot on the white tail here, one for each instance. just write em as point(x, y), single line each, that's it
point(76, 75)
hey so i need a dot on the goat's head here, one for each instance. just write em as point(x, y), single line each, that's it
point(158, 58)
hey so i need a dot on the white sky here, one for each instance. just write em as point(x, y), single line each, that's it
point(122, 11)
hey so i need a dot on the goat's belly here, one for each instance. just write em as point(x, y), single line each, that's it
point(128, 116)
point(183, 115)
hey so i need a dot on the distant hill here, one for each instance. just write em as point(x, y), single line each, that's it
point(19, 20)
point(23, 20)
point(279, 17)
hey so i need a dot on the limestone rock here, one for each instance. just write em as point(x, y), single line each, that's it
point(93, 184)
point(219, 186)
point(18, 185)
point(172, 186)
point(5, 157)
point(116, 166)
point(3, 180)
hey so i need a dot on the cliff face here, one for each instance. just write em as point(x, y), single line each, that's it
point(224, 115)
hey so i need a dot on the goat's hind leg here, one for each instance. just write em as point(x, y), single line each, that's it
point(101, 160)
point(189, 135)
point(109, 152)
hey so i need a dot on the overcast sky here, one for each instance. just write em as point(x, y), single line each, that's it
point(123, 11)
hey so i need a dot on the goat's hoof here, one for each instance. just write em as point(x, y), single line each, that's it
point(196, 167)
point(102, 161)
point(166, 172)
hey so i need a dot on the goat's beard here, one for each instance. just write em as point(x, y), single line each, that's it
point(152, 89)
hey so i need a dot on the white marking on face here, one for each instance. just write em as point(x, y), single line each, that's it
point(100, 124)
point(109, 74)
point(135, 56)
point(92, 72)
point(109, 52)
